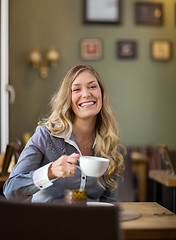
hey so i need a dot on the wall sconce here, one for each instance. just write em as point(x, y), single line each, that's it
point(42, 64)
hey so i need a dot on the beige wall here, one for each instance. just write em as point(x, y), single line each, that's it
point(142, 90)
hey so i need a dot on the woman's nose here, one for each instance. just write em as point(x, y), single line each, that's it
point(86, 92)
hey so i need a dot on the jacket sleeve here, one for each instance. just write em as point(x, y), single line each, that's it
point(20, 186)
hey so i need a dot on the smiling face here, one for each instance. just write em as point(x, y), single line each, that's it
point(86, 96)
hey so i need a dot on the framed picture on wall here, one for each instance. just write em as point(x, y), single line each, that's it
point(102, 11)
point(149, 13)
point(161, 50)
point(91, 49)
point(127, 49)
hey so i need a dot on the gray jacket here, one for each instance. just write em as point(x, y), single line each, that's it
point(29, 181)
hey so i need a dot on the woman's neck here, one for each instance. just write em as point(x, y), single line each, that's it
point(84, 129)
point(84, 134)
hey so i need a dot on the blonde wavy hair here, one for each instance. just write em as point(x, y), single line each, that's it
point(106, 129)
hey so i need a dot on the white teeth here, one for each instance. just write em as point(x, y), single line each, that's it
point(87, 104)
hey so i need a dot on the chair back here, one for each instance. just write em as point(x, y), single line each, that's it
point(7, 158)
point(11, 149)
point(58, 221)
point(167, 158)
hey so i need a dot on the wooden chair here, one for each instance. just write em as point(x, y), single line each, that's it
point(139, 167)
point(126, 190)
point(12, 150)
point(58, 221)
point(8, 159)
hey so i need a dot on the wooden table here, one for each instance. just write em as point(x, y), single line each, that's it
point(161, 177)
point(156, 222)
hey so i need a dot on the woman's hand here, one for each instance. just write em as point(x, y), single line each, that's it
point(63, 166)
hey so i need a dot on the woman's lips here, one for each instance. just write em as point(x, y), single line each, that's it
point(86, 104)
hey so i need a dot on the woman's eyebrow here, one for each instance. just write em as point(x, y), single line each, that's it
point(77, 84)
point(92, 82)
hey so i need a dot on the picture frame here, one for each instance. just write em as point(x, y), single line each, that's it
point(161, 50)
point(127, 49)
point(149, 13)
point(102, 11)
point(91, 48)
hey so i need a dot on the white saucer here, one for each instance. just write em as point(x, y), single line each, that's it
point(99, 204)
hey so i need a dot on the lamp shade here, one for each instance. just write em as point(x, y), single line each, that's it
point(35, 57)
point(52, 56)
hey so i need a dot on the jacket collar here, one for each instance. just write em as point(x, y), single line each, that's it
point(69, 138)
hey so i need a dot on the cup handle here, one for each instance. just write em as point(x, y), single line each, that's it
point(76, 166)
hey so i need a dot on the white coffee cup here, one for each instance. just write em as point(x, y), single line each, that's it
point(93, 166)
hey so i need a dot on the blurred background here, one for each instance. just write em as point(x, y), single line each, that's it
point(142, 89)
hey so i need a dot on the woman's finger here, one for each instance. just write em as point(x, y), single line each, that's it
point(73, 158)
point(63, 166)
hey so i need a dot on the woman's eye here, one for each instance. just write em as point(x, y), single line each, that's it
point(75, 90)
point(93, 86)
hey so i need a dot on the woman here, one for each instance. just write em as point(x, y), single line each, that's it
point(81, 123)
